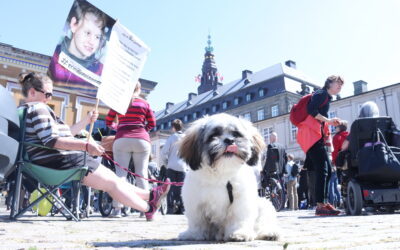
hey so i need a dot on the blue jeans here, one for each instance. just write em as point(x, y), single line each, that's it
point(333, 190)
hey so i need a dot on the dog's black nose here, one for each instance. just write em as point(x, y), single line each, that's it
point(229, 141)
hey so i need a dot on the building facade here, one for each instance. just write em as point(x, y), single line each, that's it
point(261, 96)
point(265, 98)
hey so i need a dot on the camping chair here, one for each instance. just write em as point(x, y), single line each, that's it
point(47, 178)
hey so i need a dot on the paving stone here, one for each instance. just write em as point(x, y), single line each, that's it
point(300, 230)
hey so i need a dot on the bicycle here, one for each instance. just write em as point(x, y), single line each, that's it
point(272, 189)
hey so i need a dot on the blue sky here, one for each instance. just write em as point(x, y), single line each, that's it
point(358, 39)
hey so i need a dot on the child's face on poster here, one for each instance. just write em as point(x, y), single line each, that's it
point(86, 36)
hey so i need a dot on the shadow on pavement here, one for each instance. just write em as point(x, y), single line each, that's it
point(152, 243)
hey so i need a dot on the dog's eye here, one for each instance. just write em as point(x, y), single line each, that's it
point(237, 134)
point(215, 133)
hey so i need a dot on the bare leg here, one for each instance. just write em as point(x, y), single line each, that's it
point(104, 179)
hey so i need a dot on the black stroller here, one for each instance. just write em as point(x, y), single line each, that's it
point(371, 179)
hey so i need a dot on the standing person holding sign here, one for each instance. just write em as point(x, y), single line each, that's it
point(314, 138)
point(132, 140)
point(43, 127)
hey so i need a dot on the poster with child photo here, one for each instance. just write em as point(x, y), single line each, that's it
point(98, 57)
point(77, 62)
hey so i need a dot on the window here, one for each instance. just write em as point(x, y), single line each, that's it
point(162, 126)
point(185, 118)
point(261, 92)
point(206, 111)
point(247, 116)
point(225, 105)
point(248, 97)
point(169, 124)
point(293, 132)
point(332, 114)
point(214, 108)
point(267, 134)
point(194, 115)
point(260, 114)
point(274, 111)
point(53, 107)
point(290, 107)
point(236, 101)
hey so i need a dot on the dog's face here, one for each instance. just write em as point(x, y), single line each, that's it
point(220, 137)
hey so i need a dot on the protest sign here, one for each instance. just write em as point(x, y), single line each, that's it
point(98, 57)
point(125, 59)
point(78, 60)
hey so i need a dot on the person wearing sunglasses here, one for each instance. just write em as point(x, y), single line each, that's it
point(43, 127)
point(46, 94)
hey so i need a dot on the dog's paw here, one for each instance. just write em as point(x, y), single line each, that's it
point(240, 235)
point(191, 235)
point(272, 236)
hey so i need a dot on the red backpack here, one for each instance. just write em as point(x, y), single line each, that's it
point(299, 113)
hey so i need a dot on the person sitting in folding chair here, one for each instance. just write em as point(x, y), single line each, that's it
point(43, 127)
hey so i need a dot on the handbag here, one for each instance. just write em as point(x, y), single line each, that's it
point(377, 162)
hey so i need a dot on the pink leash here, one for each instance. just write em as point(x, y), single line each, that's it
point(152, 180)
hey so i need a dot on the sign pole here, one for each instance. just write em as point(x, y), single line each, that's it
point(88, 139)
point(92, 123)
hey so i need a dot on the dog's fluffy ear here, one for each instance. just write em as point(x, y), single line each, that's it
point(191, 147)
point(258, 146)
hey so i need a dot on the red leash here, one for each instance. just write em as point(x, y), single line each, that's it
point(152, 180)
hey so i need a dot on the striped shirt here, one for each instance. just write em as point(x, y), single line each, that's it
point(43, 127)
point(138, 120)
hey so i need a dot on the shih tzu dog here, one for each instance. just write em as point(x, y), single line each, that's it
point(220, 191)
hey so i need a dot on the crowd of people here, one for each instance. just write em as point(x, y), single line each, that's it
point(313, 182)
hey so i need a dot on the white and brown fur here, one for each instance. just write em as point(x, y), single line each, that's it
point(220, 190)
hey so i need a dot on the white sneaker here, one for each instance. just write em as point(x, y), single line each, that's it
point(115, 213)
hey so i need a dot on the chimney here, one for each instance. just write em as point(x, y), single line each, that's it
point(247, 81)
point(291, 64)
point(191, 96)
point(215, 89)
point(246, 73)
point(360, 87)
point(168, 105)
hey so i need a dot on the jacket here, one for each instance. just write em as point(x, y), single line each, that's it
point(170, 153)
point(309, 132)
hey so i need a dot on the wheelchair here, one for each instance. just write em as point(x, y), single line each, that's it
point(369, 187)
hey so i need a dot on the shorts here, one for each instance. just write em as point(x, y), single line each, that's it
point(72, 161)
